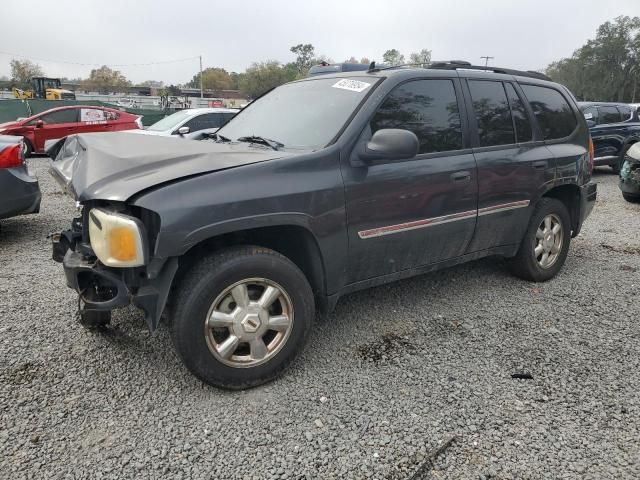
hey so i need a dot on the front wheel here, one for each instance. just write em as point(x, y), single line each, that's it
point(545, 245)
point(241, 316)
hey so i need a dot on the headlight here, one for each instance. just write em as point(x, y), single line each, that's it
point(116, 239)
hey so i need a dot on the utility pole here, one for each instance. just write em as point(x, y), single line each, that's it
point(486, 60)
point(201, 90)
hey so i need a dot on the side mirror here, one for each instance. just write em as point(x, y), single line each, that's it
point(591, 123)
point(183, 130)
point(391, 144)
point(39, 123)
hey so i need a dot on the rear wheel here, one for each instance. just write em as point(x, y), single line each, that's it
point(27, 148)
point(545, 244)
point(241, 316)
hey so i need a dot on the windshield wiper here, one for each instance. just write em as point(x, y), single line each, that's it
point(217, 136)
point(262, 140)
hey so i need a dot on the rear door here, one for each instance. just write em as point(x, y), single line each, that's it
point(57, 124)
point(609, 134)
point(409, 213)
point(92, 120)
point(513, 165)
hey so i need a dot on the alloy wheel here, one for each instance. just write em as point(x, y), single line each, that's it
point(249, 322)
point(549, 239)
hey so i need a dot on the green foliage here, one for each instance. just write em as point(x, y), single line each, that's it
point(106, 80)
point(213, 79)
point(605, 68)
point(263, 76)
point(304, 57)
point(393, 57)
point(23, 70)
point(152, 83)
point(422, 57)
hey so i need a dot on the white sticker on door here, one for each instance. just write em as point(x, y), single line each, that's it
point(91, 115)
point(353, 85)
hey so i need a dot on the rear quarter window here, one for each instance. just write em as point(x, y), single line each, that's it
point(552, 111)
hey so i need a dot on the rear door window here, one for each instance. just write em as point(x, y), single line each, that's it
point(493, 116)
point(521, 119)
point(625, 112)
point(428, 108)
point(552, 111)
point(608, 115)
point(92, 115)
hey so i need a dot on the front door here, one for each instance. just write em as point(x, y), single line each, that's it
point(56, 124)
point(409, 213)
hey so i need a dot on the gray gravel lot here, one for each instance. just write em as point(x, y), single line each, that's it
point(388, 377)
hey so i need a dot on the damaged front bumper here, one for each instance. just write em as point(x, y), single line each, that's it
point(630, 178)
point(104, 289)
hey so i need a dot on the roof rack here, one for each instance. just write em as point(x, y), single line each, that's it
point(460, 64)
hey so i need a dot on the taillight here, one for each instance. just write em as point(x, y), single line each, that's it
point(591, 154)
point(12, 157)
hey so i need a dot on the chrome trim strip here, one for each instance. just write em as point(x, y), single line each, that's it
point(429, 222)
point(605, 158)
point(503, 207)
point(405, 227)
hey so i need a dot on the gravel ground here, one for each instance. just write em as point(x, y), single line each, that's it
point(391, 375)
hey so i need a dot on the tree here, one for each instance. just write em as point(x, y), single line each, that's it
point(106, 80)
point(263, 76)
point(152, 83)
point(351, 59)
point(422, 57)
point(23, 70)
point(393, 57)
point(365, 61)
point(606, 67)
point(212, 79)
point(304, 57)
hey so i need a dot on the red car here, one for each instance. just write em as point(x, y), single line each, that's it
point(60, 122)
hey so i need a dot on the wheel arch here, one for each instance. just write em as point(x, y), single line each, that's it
point(294, 241)
point(569, 195)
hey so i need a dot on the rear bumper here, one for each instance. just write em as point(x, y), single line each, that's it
point(588, 194)
point(19, 193)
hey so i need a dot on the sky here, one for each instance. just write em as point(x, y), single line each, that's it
point(521, 34)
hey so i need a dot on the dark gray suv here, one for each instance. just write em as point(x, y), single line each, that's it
point(321, 187)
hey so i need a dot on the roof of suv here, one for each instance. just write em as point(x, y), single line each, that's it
point(603, 104)
point(462, 69)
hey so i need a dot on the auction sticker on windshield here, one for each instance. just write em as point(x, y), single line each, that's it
point(353, 85)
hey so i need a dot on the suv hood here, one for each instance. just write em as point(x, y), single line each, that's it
point(117, 165)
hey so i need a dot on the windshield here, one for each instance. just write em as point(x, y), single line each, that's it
point(305, 115)
point(170, 122)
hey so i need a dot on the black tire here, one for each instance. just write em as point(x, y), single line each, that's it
point(631, 198)
point(525, 264)
point(27, 150)
point(200, 287)
point(616, 167)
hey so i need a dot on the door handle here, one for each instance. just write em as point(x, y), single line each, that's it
point(459, 177)
point(542, 164)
